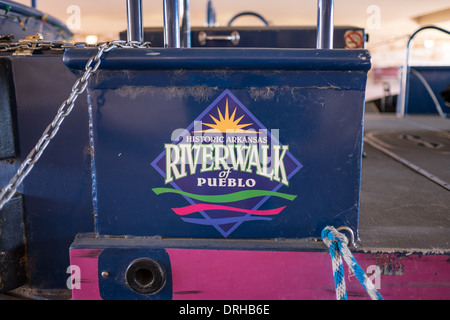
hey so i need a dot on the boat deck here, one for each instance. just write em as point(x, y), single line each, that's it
point(405, 194)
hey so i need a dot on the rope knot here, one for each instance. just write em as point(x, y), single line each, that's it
point(337, 246)
point(330, 234)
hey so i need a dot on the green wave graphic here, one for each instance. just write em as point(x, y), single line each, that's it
point(231, 197)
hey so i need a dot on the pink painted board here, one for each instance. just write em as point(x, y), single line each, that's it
point(199, 274)
point(87, 261)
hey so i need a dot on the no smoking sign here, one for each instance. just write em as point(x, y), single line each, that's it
point(354, 39)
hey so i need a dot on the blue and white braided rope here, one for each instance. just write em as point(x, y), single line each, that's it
point(337, 246)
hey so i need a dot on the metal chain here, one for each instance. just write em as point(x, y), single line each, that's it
point(8, 45)
point(39, 45)
point(34, 45)
point(64, 110)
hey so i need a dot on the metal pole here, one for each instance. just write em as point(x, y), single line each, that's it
point(33, 4)
point(325, 24)
point(171, 24)
point(404, 87)
point(135, 30)
point(210, 15)
point(186, 25)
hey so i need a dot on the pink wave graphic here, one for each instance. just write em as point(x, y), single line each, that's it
point(205, 207)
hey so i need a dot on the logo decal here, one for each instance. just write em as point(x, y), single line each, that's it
point(226, 165)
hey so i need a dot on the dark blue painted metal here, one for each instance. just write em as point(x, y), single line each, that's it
point(57, 193)
point(12, 245)
point(118, 259)
point(170, 88)
point(255, 37)
point(419, 99)
point(227, 59)
point(7, 143)
point(316, 102)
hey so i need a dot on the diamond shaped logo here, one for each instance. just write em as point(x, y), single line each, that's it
point(226, 165)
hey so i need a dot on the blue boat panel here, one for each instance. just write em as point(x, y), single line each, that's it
point(57, 192)
point(425, 85)
point(12, 245)
point(310, 102)
point(7, 142)
point(225, 58)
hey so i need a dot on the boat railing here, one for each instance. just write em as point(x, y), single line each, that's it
point(172, 34)
point(406, 70)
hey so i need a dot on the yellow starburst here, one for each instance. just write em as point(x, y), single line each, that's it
point(227, 123)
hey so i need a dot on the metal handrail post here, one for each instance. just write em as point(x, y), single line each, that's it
point(186, 25)
point(325, 24)
point(210, 14)
point(135, 30)
point(171, 24)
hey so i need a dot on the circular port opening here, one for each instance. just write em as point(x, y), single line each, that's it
point(145, 276)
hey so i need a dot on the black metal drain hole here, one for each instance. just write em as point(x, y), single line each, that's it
point(145, 276)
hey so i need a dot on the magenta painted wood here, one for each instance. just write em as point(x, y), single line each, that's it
point(216, 274)
point(274, 275)
point(87, 260)
point(261, 275)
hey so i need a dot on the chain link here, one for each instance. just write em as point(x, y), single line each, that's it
point(8, 45)
point(64, 110)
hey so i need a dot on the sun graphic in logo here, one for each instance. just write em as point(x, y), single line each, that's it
point(227, 123)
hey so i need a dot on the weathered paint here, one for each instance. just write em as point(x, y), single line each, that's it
point(305, 107)
point(203, 274)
